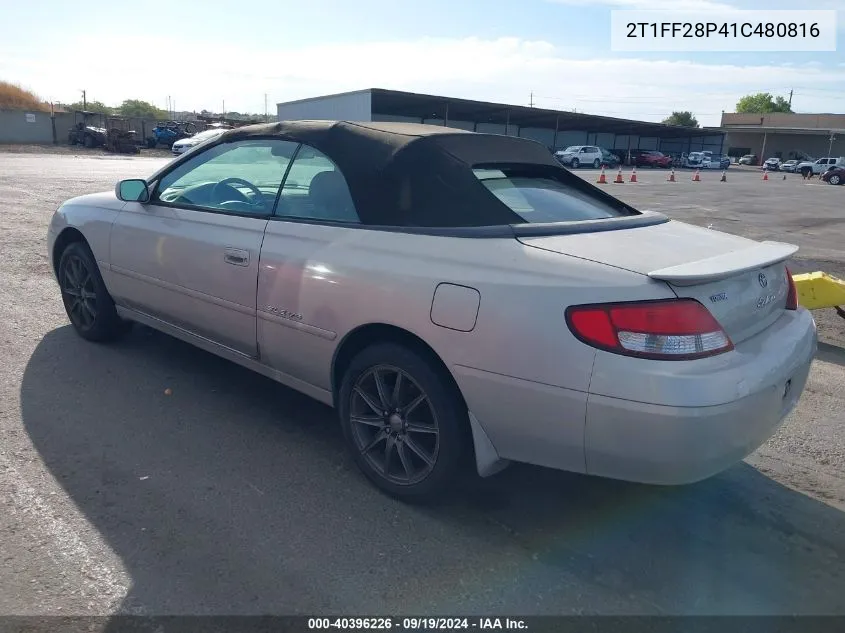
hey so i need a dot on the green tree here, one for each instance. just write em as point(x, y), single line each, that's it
point(141, 109)
point(685, 119)
point(762, 103)
point(90, 106)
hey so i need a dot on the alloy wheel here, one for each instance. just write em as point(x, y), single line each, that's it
point(394, 425)
point(79, 293)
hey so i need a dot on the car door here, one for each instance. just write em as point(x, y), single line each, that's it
point(305, 285)
point(190, 256)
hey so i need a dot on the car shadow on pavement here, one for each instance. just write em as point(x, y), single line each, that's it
point(831, 354)
point(233, 495)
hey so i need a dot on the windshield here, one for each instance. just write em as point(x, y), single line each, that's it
point(537, 196)
point(572, 148)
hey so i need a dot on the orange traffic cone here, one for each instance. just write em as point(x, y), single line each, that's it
point(696, 177)
point(765, 174)
point(671, 176)
point(633, 175)
point(619, 179)
point(724, 177)
point(602, 178)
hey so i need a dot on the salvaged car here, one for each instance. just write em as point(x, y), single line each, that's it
point(454, 296)
point(85, 130)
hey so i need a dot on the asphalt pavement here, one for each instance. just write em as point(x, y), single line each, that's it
point(234, 495)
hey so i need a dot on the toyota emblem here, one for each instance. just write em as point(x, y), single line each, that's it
point(763, 281)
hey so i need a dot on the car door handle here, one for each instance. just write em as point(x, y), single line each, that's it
point(236, 257)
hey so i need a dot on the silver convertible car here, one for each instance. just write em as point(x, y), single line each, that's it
point(454, 296)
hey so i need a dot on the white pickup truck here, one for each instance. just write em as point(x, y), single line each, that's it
point(819, 166)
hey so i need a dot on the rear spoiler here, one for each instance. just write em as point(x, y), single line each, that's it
point(726, 265)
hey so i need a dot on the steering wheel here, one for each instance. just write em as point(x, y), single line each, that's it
point(234, 195)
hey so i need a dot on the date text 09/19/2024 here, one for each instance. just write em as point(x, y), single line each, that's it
point(416, 624)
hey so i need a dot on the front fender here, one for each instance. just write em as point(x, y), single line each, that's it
point(90, 217)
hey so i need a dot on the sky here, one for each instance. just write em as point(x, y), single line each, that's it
point(552, 53)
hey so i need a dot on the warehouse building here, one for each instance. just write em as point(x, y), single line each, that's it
point(554, 128)
point(784, 135)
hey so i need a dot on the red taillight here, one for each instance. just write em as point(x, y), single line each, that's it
point(792, 296)
point(678, 329)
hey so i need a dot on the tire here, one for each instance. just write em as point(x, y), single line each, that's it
point(806, 172)
point(575, 164)
point(87, 303)
point(835, 179)
point(596, 163)
point(88, 141)
point(151, 143)
point(440, 419)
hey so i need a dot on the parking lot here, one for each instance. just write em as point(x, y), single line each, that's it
point(234, 495)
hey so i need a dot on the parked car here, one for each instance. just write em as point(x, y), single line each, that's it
point(575, 332)
point(771, 164)
point(724, 162)
point(168, 132)
point(697, 160)
point(651, 158)
point(834, 176)
point(576, 156)
point(789, 165)
point(180, 147)
point(748, 159)
point(818, 167)
point(609, 159)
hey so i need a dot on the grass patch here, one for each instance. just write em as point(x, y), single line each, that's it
point(14, 97)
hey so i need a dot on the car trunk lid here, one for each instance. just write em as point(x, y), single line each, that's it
point(742, 282)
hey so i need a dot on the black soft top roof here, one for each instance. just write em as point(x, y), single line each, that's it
point(419, 178)
point(410, 174)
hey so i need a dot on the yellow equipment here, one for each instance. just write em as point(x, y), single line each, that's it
point(820, 290)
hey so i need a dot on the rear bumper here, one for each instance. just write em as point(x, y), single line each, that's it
point(660, 444)
point(703, 415)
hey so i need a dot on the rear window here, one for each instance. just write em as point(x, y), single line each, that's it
point(539, 197)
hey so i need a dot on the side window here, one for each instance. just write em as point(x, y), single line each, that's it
point(242, 177)
point(315, 189)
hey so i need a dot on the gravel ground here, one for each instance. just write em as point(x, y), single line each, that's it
point(78, 150)
point(234, 495)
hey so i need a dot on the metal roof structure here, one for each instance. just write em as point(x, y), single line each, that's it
point(424, 106)
point(773, 129)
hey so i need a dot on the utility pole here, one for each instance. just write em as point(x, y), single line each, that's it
point(222, 118)
point(531, 103)
point(84, 101)
point(830, 145)
point(266, 118)
point(790, 98)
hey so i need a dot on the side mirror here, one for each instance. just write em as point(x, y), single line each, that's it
point(132, 190)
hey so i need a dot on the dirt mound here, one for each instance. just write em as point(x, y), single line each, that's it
point(13, 97)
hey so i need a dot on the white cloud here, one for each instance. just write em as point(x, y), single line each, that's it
point(503, 70)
